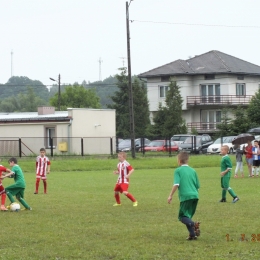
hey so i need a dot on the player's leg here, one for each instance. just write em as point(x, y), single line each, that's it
point(117, 189)
point(257, 168)
point(11, 191)
point(37, 183)
point(186, 212)
point(229, 189)
point(255, 163)
point(20, 198)
point(129, 195)
point(44, 180)
point(3, 197)
point(224, 190)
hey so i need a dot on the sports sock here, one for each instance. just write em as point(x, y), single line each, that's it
point(232, 193)
point(189, 224)
point(10, 197)
point(224, 192)
point(37, 185)
point(253, 171)
point(23, 202)
point(3, 199)
point(257, 171)
point(117, 198)
point(45, 186)
point(131, 197)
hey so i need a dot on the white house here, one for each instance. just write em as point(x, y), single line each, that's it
point(75, 131)
point(208, 82)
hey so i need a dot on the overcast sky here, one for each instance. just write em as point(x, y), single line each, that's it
point(49, 37)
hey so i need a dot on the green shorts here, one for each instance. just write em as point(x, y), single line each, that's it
point(188, 208)
point(224, 182)
point(15, 190)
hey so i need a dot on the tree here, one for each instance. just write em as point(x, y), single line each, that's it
point(253, 110)
point(240, 123)
point(77, 97)
point(121, 104)
point(169, 118)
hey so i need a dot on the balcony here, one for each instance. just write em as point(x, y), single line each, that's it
point(203, 127)
point(218, 100)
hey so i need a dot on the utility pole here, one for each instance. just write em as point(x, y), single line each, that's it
point(100, 77)
point(131, 107)
point(59, 92)
point(11, 63)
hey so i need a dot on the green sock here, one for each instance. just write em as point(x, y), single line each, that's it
point(224, 192)
point(10, 197)
point(23, 202)
point(232, 193)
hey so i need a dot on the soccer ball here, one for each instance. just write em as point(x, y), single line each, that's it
point(15, 206)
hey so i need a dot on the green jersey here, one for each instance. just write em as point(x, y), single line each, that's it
point(187, 180)
point(18, 176)
point(226, 164)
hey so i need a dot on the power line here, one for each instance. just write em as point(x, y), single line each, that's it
point(201, 24)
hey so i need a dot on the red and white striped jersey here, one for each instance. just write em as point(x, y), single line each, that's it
point(123, 168)
point(41, 165)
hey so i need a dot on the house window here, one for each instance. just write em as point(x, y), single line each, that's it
point(209, 119)
point(240, 77)
point(210, 93)
point(163, 91)
point(241, 89)
point(209, 76)
point(165, 79)
point(50, 134)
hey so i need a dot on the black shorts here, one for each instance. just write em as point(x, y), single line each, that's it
point(256, 163)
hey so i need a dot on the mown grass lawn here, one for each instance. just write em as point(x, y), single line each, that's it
point(76, 219)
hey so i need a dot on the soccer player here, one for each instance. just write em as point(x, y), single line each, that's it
point(2, 189)
point(256, 158)
point(16, 189)
point(42, 169)
point(249, 157)
point(226, 167)
point(124, 171)
point(187, 182)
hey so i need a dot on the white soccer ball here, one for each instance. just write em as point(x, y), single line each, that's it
point(15, 206)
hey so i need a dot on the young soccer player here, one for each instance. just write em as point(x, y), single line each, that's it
point(16, 189)
point(256, 159)
point(249, 157)
point(42, 169)
point(187, 182)
point(2, 189)
point(239, 163)
point(226, 167)
point(124, 171)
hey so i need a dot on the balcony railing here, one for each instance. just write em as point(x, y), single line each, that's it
point(218, 100)
point(203, 126)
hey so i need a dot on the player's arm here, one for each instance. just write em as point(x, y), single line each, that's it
point(10, 174)
point(48, 167)
point(130, 172)
point(174, 188)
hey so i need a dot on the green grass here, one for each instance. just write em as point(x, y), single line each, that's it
point(76, 220)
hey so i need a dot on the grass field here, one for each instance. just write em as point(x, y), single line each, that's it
point(76, 219)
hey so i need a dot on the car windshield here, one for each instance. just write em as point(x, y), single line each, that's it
point(156, 143)
point(189, 140)
point(125, 142)
point(224, 140)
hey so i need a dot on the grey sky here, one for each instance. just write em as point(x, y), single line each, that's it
point(49, 37)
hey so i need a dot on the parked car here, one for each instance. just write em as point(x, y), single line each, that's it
point(160, 146)
point(216, 146)
point(179, 139)
point(125, 145)
point(196, 144)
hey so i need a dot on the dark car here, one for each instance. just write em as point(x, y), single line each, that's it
point(125, 145)
point(196, 144)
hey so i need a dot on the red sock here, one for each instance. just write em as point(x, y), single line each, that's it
point(131, 197)
point(3, 199)
point(45, 186)
point(117, 198)
point(37, 185)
